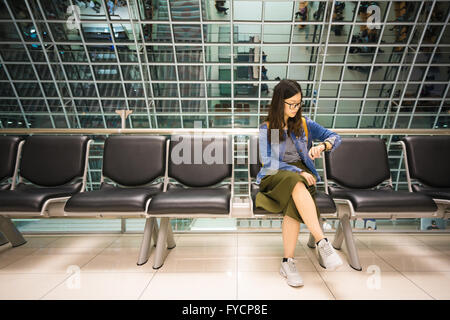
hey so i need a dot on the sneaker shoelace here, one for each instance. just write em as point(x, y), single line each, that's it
point(292, 267)
point(326, 249)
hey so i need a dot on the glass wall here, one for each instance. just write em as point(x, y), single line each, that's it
point(361, 64)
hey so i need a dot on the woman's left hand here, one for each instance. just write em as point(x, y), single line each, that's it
point(315, 152)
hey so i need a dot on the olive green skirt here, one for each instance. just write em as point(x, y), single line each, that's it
point(275, 192)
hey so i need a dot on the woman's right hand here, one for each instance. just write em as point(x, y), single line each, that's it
point(309, 178)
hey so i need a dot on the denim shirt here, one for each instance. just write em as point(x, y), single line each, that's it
point(272, 163)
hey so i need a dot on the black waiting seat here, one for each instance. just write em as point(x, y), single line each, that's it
point(9, 150)
point(359, 170)
point(199, 164)
point(51, 169)
point(324, 202)
point(131, 162)
point(54, 167)
point(359, 166)
point(198, 193)
point(428, 166)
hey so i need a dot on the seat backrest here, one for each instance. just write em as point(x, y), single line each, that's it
point(429, 159)
point(134, 160)
point(253, 156)
point(200, 161)
point(8, 154)
point(53, 160)
point(358, 163)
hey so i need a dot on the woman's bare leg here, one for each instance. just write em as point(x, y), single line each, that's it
point(307, 209)
point(290, 229)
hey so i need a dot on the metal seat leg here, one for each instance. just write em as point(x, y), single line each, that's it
point(350, 244)
point(3, 240)
point(161, 245)
point(11, 233)
point(339, 237)
point(144, 253)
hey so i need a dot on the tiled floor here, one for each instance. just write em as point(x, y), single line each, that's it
point(222, 266)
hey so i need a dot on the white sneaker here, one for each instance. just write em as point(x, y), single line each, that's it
point(328, 258)
point(289, 271)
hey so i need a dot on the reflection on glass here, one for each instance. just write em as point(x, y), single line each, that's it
point(216, 10)
point(102, 53)
point(189, 54)
point(131, 73)
point(193, 106)
point(60, 32)
point(106, 72)
point(160, 53)
point(110, 89)
point(219, 89)
point(192, 90)
point(134, 90)
point(162, 73)
point(71, 53)
point(164, 106)
point(277, 33)
point(185, 10)
point(165, 90)
point(217, 33)
point(247, 33)
point(218, 54)
point(190, 73)
point(21, 72)
point(187, 33)
point(247, 10)
point(195, 121)
point(153, 10)
point(278, 11)
point(219, 106)
point(96, 32)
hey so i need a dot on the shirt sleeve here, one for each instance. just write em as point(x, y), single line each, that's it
point(320, 133)
point(269, 154)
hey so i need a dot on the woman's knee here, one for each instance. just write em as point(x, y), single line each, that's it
point(299, 187)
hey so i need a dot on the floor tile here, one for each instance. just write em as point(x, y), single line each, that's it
point(388, 239)
point(272, 286)
point(118, 260)
point(52, 260)
point(206, 240)
point(269, 251)
point(192, 286)
point(10, 255)
point(28, 286)
point(436, 284)
point(432, 263)
point(109, 286)
point(373, 286)
point(83, 241)
point(266, 264)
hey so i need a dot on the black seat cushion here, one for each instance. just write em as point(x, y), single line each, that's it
point(435, 193)
point(8, 153)
point(324, 202)
point(191, 201)
point(29, 198)
point(428, 159)
point(113, 199)
point(385, 200)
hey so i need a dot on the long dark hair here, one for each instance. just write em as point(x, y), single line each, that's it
point(285, 89)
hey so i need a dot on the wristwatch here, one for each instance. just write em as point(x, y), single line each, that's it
point(325, 145)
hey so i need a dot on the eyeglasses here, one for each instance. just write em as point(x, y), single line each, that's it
point(293, 106)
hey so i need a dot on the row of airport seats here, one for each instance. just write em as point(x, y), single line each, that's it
point(160, 177)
